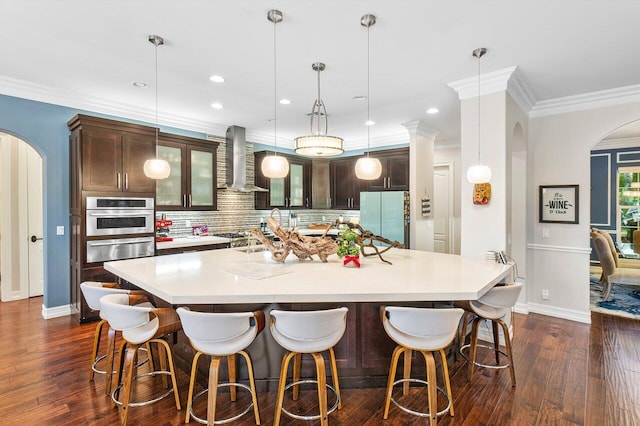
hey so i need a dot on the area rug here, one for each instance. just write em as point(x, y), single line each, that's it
point(623, 301)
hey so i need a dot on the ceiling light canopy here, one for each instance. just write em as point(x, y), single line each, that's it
point(479, 173)
point(318, 143)
point(275, 166)
point(368, 168)
point(433, 110)
point(156, 168)
point(217, 79)
point(217, 105)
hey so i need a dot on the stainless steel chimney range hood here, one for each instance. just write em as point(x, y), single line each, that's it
point(236, 162)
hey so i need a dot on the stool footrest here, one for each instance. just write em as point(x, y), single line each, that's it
point(221, 421)
point(419, 413)
point(492, 349)
point(115, 395)
point(316, 416)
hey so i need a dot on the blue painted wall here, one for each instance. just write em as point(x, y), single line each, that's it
point(44, 127)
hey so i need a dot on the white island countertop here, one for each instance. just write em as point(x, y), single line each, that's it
point(231, 276)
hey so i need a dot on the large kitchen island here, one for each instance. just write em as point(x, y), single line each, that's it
point(236, 279)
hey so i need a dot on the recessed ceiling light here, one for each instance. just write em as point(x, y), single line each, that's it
point(433, 110)
point(139, 84)
point(285, 101)
point(217, 79)
point(359, 98)
point(369, 123)
point(217, 105)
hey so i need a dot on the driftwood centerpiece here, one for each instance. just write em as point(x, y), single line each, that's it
point(291, 241)
point(366, 239)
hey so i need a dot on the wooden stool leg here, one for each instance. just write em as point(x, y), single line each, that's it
point(507, 342)
point(474, 346)
point(445, 370)
point(281, 384)
point(406, 370)
point(252, 384)
point(432, 388)
point(150, 356)
point(125, 391)
point(192, 382)
point(172, 370)
point(322, 388)
point(231, 365)
point(162, 357)
point(392, 376)
point(496, 341)
point(297, 363)
point(108, 368)
point(214, 370)
point(119, 367)
point(334, 376)
point(96, 346)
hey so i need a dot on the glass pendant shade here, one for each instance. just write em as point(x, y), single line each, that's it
point(319, 146)
point(368, 168)
point(479, 174)
point(156, 169)
point(275, 166)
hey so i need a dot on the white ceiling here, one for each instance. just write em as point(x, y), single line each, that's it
point(87, 54)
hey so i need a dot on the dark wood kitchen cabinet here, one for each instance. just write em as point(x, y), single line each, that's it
point(345, 186)
point(106, 158)
point(192, 184)
point(290, 192)
point(395, 170)
point(112, 154)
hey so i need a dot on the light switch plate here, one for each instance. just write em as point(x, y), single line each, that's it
point(60, 230)
point(545, 232)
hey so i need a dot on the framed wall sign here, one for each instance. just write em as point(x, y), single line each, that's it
point(558, 203)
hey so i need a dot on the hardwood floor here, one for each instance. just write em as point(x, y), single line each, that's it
point(567, 373)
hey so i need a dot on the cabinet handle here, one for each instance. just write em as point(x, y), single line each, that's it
point(118, 180)
point(184, 200)
point(389, 182)
point(189, 200)
point(306, 202)
point(329, 201)
point(126, 181)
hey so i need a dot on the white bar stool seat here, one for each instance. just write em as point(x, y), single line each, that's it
point(308, 332)
point(493, 306)
point(221, 335)
point(427, 331)
point(140, 325)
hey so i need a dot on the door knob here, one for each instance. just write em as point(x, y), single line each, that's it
point(34, 238)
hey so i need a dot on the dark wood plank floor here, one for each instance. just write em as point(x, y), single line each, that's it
point(568, 374)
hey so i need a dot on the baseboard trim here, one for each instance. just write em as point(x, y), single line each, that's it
point(56, 311)
point(553, 311)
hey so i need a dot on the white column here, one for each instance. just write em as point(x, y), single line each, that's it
point(421, 140)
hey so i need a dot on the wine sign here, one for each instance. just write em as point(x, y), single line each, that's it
point(558, 204)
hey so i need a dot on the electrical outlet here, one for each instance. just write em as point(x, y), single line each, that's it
point(187, 223)
point(545, 294)
point(545, 232)
point(60, 230)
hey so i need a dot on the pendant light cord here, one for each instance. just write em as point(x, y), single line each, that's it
point(275, 91)
point(319, 104)
point(368, 88)
point(479, 56)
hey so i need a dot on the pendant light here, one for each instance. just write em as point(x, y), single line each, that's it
point(156, 168)
point(275, 166)
point(318, 143)
point(479, 173)
point(368, 168)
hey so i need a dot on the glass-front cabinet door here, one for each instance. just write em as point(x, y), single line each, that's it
point(169, 191)
point(192, 184)
point(629, 205)
point(296, 185)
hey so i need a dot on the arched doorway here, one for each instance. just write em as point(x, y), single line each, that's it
point(21, 220)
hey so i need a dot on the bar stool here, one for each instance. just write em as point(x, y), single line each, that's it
point(221, 335)
point(308, 332)
point(426, 331)
point(140, 325)
point(493, 306)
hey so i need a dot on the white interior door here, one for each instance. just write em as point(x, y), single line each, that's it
point(442, 208)
point(34, 225)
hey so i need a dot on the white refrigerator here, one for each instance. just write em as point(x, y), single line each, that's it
point(386, 213)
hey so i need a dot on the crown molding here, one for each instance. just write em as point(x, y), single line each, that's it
point(495, 81)
point(421, 128)
point(520, 91)
point(585, 101)
point(37, 92)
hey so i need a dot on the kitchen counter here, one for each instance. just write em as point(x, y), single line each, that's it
point(232, 276)
point(179, 242)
